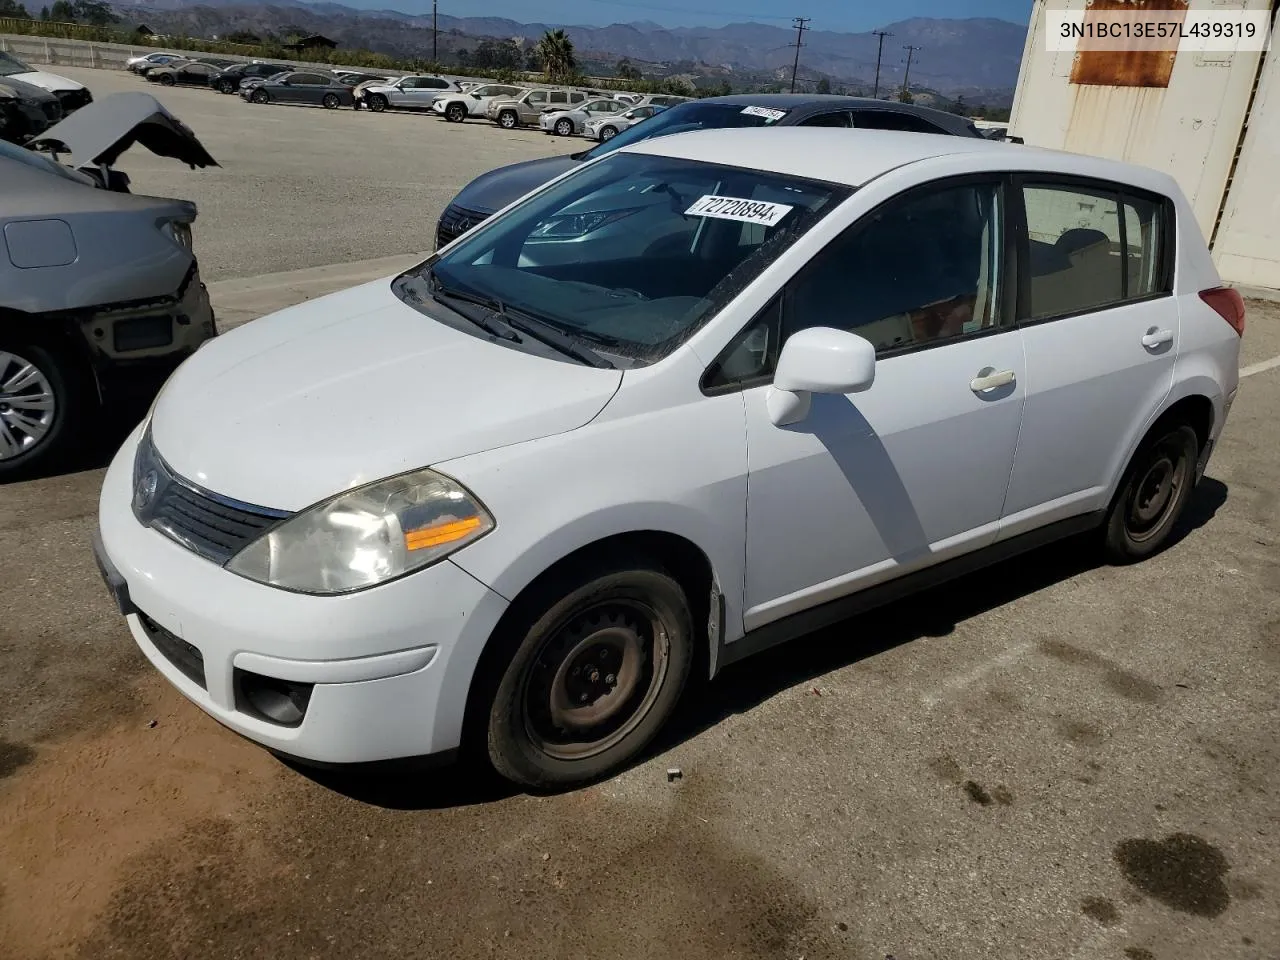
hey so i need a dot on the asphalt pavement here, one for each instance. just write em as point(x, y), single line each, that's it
point(1048, 759)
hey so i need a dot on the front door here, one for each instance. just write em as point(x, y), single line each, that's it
point(915, 469)
point(1100, 326)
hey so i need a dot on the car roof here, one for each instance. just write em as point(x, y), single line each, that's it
point(800, 105)
point(854, 157)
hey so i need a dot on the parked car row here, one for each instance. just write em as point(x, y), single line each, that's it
point(33, 100)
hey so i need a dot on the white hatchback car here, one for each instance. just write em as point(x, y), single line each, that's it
point(495, 503)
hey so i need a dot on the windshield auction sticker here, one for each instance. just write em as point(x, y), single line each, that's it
point(773, 116)
point(735, 208)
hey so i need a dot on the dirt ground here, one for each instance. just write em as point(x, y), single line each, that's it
point(1049, 759)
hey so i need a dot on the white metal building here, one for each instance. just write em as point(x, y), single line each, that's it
point(1212, 120)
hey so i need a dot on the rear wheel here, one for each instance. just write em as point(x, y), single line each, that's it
point(260, 96)
point(597, 669)
point(508, 119)
point(1153, 493)
point(564, 127)
point(455, 113)
point(608, 133)
point(377, 102)
point(331, 101)
point(227, 86)
point(42, 407)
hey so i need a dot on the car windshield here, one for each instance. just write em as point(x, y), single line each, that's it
point(631, 254)
point(690, 116)
point(9, 65)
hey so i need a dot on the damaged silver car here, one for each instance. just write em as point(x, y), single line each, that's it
point(100, 293)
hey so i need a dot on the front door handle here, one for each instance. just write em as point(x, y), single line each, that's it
point(1157, 338)
point(989, 379)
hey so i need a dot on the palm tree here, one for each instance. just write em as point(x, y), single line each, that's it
point(555, 50)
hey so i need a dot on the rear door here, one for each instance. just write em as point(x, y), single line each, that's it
point(196, 74)
point(1100, 328)
point(302, 88)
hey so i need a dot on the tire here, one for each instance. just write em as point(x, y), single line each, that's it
point(226, 86)
point(331, 101)
point(630, 616)
point(1153, 493)
point(166, 80)
point(377, 102)
point(260, 96)
point(29, 371)
point(455, 113)
point(508, 120)
point(564, 128)
point(607, 134)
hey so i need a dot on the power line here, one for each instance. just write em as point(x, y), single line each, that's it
point(906, 77)
point(435, 35)
point(802, 24)
point(879, 50)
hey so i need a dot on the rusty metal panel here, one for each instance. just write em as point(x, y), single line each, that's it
point(1128, 68)
point(1247, 249)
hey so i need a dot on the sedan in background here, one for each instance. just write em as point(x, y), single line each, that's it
point(606, 127)
point(301, 86)
point(138, 64)
point(229, 79)
point(70, 94)
point(566, 123)
point(189, 74)
point(405, 93)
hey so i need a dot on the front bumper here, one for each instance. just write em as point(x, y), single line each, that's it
point(391, 666)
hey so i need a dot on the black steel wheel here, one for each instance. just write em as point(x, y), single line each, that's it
point(1153, 493)
point(593, 677)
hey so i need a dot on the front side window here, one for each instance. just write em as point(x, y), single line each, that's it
point(920, 270)
point(537, 98)
point(635, 252)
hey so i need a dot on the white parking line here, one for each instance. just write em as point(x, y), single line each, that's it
point(1262, 367)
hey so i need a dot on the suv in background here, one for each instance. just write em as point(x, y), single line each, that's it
point(528, 107)
point(566, 122)
point(456, 107)
point(405, 93)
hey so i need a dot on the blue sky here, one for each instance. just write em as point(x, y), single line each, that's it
point(853, 15)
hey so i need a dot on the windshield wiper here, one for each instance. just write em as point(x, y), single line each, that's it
point(553, 336)
point(438, 291)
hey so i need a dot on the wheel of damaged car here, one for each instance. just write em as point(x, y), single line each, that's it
point(377, 102)
point(598, 658)
point(564, 127)
point(608, 133)
point(40, 407)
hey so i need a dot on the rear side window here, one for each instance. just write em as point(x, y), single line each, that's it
point(836, 118)
point(892, 120)
point(308, 80)
point(1088, 248)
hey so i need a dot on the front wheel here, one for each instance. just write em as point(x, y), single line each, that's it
point(1153, 493)
point(166, 80)
point(226, 86)
point(596, 672)
point(41, 408)
point(564, 128)
point(377, 102)
point(455, 113)
point(331, 101)
point(260, 96)
point(508, 120)
point(607, 133)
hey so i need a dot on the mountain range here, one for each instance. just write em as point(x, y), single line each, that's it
point(955, 56)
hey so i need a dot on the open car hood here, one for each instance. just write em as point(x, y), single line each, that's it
point(99, 132)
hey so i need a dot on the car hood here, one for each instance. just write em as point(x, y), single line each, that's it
point(100, 132)
point(351, 388)
point(492, 191)
point(49, 81)
point(20, 89)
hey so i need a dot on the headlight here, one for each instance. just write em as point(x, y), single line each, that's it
point(573, 225)
point(366, 536)
point(179, 232)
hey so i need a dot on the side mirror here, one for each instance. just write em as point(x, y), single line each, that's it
point(818, 360)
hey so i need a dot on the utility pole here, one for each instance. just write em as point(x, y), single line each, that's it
point(879, 50)
point(435, 36)
point(906, 77)
point(801, 27)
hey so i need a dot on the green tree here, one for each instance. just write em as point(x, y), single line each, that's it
point(62, 11)
point(960, 107)
point(9, 8)
point(626, 70)
point(555, 51)
point(96, 13)
point(243, 36)
point(824, 85)
point(44, 13)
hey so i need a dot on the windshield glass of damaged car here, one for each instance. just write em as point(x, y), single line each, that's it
point(636, 251)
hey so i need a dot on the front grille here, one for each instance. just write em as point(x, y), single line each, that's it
point(187, 658)
point(456, 221)
point(215, 527)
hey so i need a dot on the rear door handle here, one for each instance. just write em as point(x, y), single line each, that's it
point(989, 379)
point(1157, 338)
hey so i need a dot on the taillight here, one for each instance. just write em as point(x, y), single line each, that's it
point(1228, 304)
